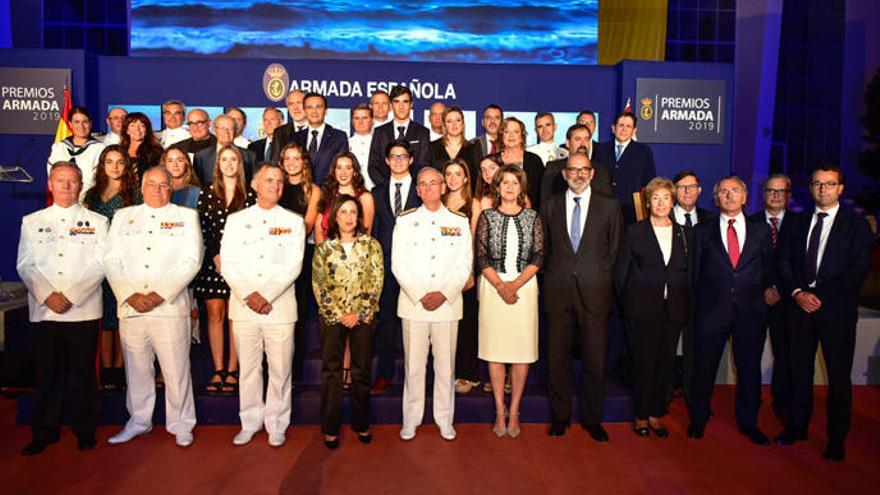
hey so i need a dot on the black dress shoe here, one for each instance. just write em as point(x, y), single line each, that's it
point(788, 437)
point(36, 446)
point(365, 439)
point(696, 430)
point(557, 429)
point(755, 435)
point(86, 442)
point(642, 432)
point(834, 452)
point(332, 444)
point(660, 431)
point(596, 432)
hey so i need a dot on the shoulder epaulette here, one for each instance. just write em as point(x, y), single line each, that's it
point(406, 212)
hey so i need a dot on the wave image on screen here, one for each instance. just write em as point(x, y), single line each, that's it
point(496, 31)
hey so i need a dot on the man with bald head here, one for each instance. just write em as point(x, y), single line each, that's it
point(431, 260)
point(115, 117)
point(199, 125)
point(204, 161)
point(435, 118)
point(59, 261)
point(579, 141)
point(154, 251)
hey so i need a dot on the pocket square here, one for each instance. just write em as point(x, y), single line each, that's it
point(414, 142)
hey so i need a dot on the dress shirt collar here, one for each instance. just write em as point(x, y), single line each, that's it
point(404, 123)
point(161, 209)
point(740, 219)
point(570, 195)
point(56, 209)
point(768, 216)
point(832, 212)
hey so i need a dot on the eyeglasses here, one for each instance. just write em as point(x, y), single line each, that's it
point(579, 171)
point(827, 185)
point(433, 183)
point(193, 123)
point(157, 185)
point(777, 192)
point(687, 187)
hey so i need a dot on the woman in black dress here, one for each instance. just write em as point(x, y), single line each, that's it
point(452, 145)
point(301, 195)
point(513, 152)
point(144, 150)
point(226, 194)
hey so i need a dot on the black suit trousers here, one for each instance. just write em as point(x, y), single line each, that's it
point(573, 321)
point(332, 351)
point(748, 337)
point(838, 346)
point(652, 345)
point(65, 353)
point(780, 384)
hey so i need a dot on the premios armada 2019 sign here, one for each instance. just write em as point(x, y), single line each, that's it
point(680, 110)
point(31, 99)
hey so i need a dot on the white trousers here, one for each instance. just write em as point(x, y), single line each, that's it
point(418, 338)
point(168, 339)
point(276, 340)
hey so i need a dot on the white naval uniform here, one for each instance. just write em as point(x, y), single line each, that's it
point(87, 160)
point(431, 251)
point(262, 251)
point(109, 138)
point(241, 141)
point(169, 137)
point(360, 146)
point(156, 249)
point(60, 251)
point(548, 152)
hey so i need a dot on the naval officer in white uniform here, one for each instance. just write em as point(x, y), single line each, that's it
point(154, 251)
point(260, 256)
point(431, 258)
point(59, 261)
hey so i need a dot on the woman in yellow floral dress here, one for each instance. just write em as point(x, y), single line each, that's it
point(347, 275)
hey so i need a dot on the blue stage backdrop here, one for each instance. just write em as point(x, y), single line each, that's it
point(521, 89)
point(494, 31)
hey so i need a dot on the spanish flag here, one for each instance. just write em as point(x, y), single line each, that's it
point(63, 132)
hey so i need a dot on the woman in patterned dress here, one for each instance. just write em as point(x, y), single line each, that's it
point(226, 194)
point(347, 278)
point(116, 186)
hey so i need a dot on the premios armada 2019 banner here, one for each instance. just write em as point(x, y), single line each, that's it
point(31, 99)
point(680, 110)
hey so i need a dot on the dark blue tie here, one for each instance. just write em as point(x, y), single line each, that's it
point(813, 248)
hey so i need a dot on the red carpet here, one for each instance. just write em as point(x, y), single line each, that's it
point(724, 462)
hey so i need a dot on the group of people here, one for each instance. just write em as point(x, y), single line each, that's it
point(448, 240)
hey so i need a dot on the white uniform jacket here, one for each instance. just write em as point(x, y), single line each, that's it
point(169, 137)
point(431, 251)
point(262, 251)
point(60, 251)
point(154, 250)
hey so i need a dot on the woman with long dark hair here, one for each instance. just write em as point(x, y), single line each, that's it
point(139, 142)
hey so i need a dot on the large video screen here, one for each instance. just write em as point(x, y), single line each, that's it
point(483, 31)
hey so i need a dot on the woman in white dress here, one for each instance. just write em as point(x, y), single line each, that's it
point(510, 251)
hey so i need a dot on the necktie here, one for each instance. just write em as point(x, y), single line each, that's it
point(687, 220)
point(300, 127)
point(313, 146)
point(398, 201)
point(618, 152)
point(267, 153)
point(732, 243)
point(494, 147)
point(401, 132)
point(813, 248)
point(774, 228)
point(575, 229)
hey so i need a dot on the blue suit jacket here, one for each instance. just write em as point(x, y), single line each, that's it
point(629, 174)
point(333, 142)
point(384, 219)
point(844, 265)
point(419, 140)
point(722, 292)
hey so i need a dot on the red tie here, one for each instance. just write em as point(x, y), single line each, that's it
point(494, 148)
point(732, 243)
point(774, 229)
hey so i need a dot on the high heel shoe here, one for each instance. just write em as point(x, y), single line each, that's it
point(514, 432)
point(500, 431)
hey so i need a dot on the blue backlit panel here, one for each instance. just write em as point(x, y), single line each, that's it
point(489, 31)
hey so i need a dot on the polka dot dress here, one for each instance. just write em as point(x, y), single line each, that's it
point(213, 211)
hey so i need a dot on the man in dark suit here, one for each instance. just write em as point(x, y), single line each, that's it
point(777, 192)
point(397, 195)
point(489, 142)
point(584, 232)
point(825, 256)
point(631, 163)
point(262, 148)
point(296, 121)
point(319, 139)
point(687, 193)
point(733, 276)
point(579, 139)
point(401, 127)
point(203, 163)
point(199, 125)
